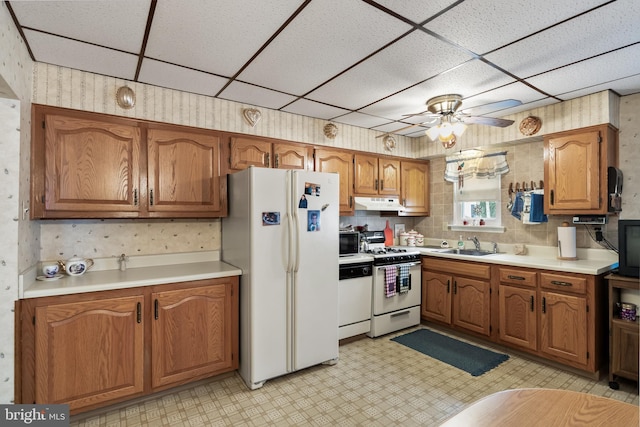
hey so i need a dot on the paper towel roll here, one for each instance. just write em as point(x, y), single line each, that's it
point(567, 242)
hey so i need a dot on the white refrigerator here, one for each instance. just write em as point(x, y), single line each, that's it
point(282, 231)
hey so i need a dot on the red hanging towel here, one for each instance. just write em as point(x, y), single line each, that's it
point(390, 281)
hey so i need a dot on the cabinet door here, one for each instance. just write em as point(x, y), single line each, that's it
point(389, 172)
point(518, 316)
point(191, 334)
point(471, 304)
point(340, 162)
point(292, 156)
point(564, 327)
point(573, 172)
point(183, 172)
point(366, 181)
point(91, 166)
point(89, 352)
point(415, 188)
point(624, 351)
point(436, 296)
point(245, 152)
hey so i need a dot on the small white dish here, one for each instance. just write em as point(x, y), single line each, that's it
point(47, 278)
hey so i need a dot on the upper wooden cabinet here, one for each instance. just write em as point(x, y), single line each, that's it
point(340, 162)
point(414, 186)
point(245, 152)
point(575, 170)
point(81, 164)
point(183, 172)
point(376, 175)
point(88, 165)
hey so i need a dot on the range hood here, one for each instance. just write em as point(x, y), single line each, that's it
point(378, 204)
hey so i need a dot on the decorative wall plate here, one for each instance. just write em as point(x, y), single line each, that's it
point(530, 126)
point(252, 116)
point(125, 97)
point(330, 130)
point(389, 143)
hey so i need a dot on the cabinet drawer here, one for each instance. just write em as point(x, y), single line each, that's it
point(563, 283)
point(461, 268)
point(518, 277)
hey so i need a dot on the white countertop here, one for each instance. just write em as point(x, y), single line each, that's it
point(142, 271)
point(590, 261)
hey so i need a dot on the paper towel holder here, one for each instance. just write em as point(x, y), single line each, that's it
point(565, 258)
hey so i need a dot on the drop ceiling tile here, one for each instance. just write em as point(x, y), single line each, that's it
point(361, 120)
point(81, 56)
point(482, 26)
point(612, 66)
point(326, 38)
point(171, 76)
point(309, 108)
point(416, 11)
point(218, 37)
point(403, 64)
point(624, 86)
point(591, 34)
point(115, 24)
point(467, 80)
point(516, 90)
point(261, 97)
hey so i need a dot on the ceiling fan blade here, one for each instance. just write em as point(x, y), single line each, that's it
point(490, 121)
point(492, 106)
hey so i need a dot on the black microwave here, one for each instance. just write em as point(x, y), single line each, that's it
point(349, 243)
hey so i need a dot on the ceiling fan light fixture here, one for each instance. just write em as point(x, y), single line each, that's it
point(446, 132)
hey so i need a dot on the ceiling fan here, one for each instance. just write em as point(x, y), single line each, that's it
point(446, 122)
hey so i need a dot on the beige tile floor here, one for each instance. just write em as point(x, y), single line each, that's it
point(376, 382)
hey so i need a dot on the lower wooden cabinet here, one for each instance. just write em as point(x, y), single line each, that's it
point(553, 315)
point(624, 340)
point(89, 350)
point(191, 334)
point(457, 293)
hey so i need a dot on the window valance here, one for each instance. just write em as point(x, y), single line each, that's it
point(475, 165)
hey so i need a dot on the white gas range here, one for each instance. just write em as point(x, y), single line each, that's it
point(396, 291)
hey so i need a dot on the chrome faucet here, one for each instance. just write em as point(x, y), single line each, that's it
point(475, 241)
point(123, 262)
point(495, 247)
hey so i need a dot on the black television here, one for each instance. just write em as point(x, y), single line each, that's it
point(629, 247)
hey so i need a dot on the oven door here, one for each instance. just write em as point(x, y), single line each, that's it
point(383, 304)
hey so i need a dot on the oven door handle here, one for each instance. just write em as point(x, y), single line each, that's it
point(410, 264)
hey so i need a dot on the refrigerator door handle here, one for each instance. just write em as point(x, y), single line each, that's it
point(296, 222)
point(290, 223)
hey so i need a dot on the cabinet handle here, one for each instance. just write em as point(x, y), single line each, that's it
point(448, 286)
point(544, 305)
point(135, 197)
point(515, 277)
point(561, 283)
point(400, 313)
point(551, 197)
point(375, 185)
point(350, 201)
point(266, 160)
point(155, 309)
point(277, 163)
point(531, 302)
point(455, 287)
point(139, 313)
point(381, 184)
point(151, 197)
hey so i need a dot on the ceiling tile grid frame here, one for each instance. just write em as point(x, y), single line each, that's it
point(64, 87)
point(341, 32)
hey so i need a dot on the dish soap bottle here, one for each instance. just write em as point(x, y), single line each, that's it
point(388, 235)
point(460, 244)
